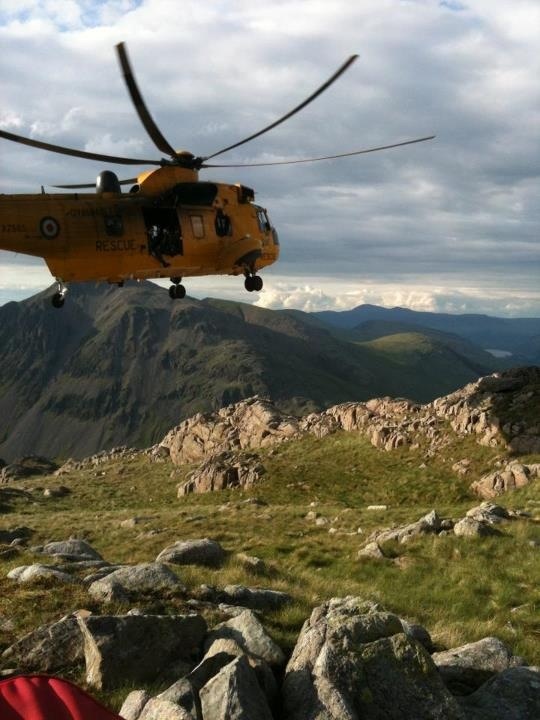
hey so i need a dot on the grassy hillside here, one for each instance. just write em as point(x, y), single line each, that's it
point(461, 589)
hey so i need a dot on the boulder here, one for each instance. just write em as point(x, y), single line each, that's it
point(465, 668)
point(49, 648)
point(193, 552)
point(234, 694)
point(222, 471)
point(254, 598)
point(513, 694)
point(469, 527)
point(133, 705)
point(426, 525)
point(73, 549)
point(26, 467)
point(352, 660)
point(133, 579)
point(247, 630)
point(512, 477)
point(138, 648)
point(29, 574)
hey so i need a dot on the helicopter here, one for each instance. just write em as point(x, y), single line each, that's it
point(169, 224)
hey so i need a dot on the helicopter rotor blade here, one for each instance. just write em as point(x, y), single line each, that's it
point(142, 111)
point(292, 112)
point(129, 181)
point(326, 157)
point(76, 153)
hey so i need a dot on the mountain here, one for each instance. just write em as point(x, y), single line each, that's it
point(519, 336)
point(124, 365)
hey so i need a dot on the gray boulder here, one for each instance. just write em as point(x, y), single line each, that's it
point(132, 579)
point(234, 694)
point(465, 668)
point(426, 525)
point(248, 632)
point(138, 648)
point(513, 694)
point(352, 661)
point(254, 598)
point(193, 552)
point(29, 574)
point(133, 705)
point(73, 549)
point(469, 527)
point(49, 648)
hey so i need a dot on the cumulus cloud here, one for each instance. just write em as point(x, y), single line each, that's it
point(459, 212)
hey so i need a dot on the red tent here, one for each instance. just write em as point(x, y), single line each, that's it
point(41, 697)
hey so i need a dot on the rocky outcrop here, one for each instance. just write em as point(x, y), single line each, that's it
point(251, 423)
point(26, 467)
point(226, 470)
point(485, 409)
point(193, 552)
point(515, 475)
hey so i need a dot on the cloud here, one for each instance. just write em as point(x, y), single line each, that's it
point(461, 211)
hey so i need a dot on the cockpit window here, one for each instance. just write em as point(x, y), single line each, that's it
point(262, 219)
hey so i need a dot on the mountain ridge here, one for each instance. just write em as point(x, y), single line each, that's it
point(117, 366)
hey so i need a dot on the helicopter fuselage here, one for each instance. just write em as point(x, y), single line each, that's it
point(169, 225)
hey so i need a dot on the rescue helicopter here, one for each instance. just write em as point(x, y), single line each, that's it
point(169, 224)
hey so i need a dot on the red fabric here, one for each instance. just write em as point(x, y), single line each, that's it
point(40, 697)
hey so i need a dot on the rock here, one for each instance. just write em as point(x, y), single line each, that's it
point(469, 527)
point(465, 668)
point(234, 694)
point(73, 549)
point(29, 574)
point(26, 467)
point(418, 633)
point(251, 423)
point(222, 471)
point(353, 661)
point(371, 550)
point(247, 631)
point(252, 564)
point(254, 598)
point(513, 694)
point(193, 552)
point(428, 524)
point(56, 492)
point(230, 648)
point(489, 512)
point(138, 648)
point(159, 709)
point(49, 648)
point(512, 477)
point(133, 704)
point(133, 579)
point(19, 533)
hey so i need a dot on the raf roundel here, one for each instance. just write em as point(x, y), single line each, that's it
point(49, 228)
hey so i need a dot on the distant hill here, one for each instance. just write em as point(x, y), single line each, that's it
point(519, 336)
point(118, 366)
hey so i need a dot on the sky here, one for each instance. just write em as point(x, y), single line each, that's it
point(449, 225)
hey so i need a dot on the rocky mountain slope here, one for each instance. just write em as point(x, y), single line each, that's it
point(341, 567)
point(123, 366)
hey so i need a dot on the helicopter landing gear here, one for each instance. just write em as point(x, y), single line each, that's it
point(59, 297)
point(253, 283)
point(177, 291)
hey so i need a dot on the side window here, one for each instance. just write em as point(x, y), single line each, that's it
point(197, 226)
point(113, 225)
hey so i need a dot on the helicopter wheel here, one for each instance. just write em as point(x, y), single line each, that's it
point(58, 300)
point(177, 291)
point(253, 283)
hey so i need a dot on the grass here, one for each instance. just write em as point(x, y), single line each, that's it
point(460, 589)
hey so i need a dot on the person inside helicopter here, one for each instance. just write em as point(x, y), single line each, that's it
point(157, 243)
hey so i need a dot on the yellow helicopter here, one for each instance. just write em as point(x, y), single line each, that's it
point(169, 224)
